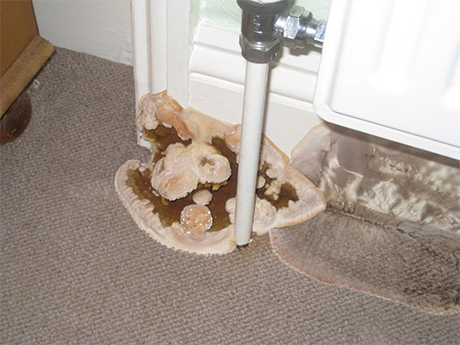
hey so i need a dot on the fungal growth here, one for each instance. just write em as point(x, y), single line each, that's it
point(185, 196)
point(392, 227)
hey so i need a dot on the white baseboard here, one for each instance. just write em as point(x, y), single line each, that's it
point(201, 66)
point(216, 85)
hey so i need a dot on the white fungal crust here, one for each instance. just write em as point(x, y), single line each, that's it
point(185, 167)
point(260, 182)
point(311, 201)
point(264, 216)
point(142, 211)
point(230, 207)
point(380, 180)
point(202, 197)
point(196, 220)
point(392, 228)
point(189, 123)
point(179, 173)
point(160, 108)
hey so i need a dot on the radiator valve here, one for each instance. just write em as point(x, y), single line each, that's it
point(267, 23)
point(297, 28)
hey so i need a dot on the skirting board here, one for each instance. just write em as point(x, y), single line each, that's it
point(216, 85)
point(201, 66)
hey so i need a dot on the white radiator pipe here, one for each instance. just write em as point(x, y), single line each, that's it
point(255, 92)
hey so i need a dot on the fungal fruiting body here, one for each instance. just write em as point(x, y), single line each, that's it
point(392, 227)
point(185, 196)
point(380, 180)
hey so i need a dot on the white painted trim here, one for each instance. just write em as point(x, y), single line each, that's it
point(285, 124)
point(158, 47)
point(201, 66)
point(141, 47)
point(178, 48)
point(140, 20)
point(216, 85)
point(228, 39)
point(292, 83)
point(97, 27)
point(216, 53)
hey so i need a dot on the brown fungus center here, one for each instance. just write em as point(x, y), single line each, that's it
point(163, 137)
point(169, 212)
point(287, 191)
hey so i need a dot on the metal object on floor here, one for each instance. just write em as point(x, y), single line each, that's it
point(16, 119)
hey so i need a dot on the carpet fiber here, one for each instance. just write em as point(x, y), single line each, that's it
point(75, 269)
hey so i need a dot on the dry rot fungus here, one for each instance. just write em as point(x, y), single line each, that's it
point(184, 197)
point(392, 228)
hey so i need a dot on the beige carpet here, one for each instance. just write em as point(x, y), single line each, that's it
point(76, 270)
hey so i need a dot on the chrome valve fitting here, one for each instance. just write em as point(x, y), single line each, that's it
point(266, 23)
point(297, 28)
point(257, 40)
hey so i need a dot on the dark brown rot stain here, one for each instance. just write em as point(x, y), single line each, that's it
point(220, 216)
point(287, 191)
point(169, 211)
point(163, 137)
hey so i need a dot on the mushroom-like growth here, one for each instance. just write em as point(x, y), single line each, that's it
point(196, 220)
point(392, 228)
point(185, 196)
point(183, 167)
point(202, 197)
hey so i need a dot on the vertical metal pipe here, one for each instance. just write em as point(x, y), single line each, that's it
point(255, 92)
point(263, 25)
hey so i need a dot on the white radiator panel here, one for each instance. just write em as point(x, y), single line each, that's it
point(392, 69)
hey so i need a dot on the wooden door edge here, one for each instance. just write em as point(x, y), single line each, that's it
point(22, 71)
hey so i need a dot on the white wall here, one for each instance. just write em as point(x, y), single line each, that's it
point(103, 27)
point(97, 27)
point(226, 13)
